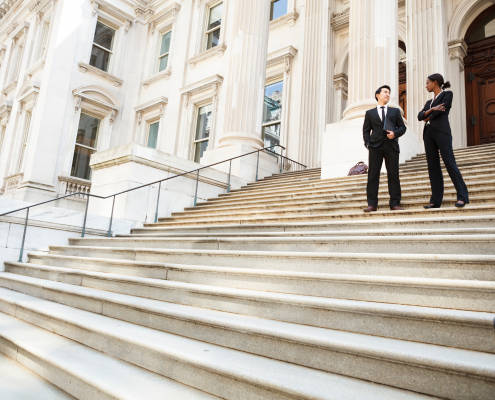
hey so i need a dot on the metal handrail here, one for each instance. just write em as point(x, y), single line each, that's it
point(113, 196)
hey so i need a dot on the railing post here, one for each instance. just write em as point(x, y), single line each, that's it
point(21, 253)
point(228, 182)
point(83, 231)
point(281, 159)
point(196, 191)
point(109, 233)
point(257, 164)
point(158, 201)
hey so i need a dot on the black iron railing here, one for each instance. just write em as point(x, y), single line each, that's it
point(284, 162)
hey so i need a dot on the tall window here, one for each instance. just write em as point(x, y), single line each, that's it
point(272, 113)
point(203, 127)
point(25, 138)
point(15, 60)
point(87, 134)
point(214, 26)
point(102, 46)
point(278, 8)
point(43, 40)
point(164, 50)
point(153, 134)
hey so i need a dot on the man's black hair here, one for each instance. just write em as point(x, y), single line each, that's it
point(378, 91)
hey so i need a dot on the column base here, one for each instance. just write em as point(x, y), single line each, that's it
point(343, 147)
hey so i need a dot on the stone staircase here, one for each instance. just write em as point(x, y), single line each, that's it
point(283, 289)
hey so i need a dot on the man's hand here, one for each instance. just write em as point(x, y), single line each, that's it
point(390, 134)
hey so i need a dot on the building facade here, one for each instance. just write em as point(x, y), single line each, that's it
point(100, 95)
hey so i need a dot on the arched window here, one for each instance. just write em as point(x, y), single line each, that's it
point(483, 27)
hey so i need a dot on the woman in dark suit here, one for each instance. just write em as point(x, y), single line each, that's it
point(437, 138)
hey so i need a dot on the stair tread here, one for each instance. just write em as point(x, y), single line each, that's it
point(106, 373)
point(277, 375)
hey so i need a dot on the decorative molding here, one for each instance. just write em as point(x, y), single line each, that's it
point(458, 51)
point(287, 19)
point(340, 20)
point(217, 50)
point(165, 74)
point(112, 14)
point(282, 56)
point(340, 82)
point(71, 184)
point(159, 102)
point(83, 67)
point(211, 83)
point(5, 110)
point(97, 98)
point(29, 93)
point(165, 17)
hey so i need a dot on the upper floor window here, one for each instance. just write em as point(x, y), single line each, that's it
point(214, 26)
point(87, 135)
point(153, 134)
point(102, 46)
point(272, 114)
point(278, 8)
point(164, 50)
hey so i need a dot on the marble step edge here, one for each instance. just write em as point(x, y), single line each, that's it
point(468, 210)
point(295, 206)
point(318, 265)
point(121, 306)
point(146, 346)
point(346, 198)
point(351, 222)
point(24, 343)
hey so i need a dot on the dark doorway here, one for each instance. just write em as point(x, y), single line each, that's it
point(479, 67)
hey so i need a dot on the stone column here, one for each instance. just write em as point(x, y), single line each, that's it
point(457, 52)
point(245, 76)
point(373, 53)
point(426, 49)
point(314, 81)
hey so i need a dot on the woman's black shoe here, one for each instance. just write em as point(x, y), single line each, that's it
point(460, 203)
point(428, 206)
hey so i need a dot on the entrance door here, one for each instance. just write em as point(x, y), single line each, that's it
point(479, 69)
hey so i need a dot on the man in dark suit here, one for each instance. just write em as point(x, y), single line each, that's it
point(383, 125)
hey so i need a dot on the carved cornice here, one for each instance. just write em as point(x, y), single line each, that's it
point(340, 20)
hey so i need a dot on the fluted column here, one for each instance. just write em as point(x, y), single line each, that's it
point(245, 76)
point(426, 52)
point(313, 86)
point(373, 53)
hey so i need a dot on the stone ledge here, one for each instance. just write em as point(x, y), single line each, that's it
point(83, 67)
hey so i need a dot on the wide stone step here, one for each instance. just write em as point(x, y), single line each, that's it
point(79, 370)
point(453, 328)
point(19, 383)
point(432, 292)
point(482, 209)
point(421, 181)
point(418, 244)
point(233, 374)
point(466, 150)
point(405, 176)
point(421, 224)
point(477, 196)
point(222, 263)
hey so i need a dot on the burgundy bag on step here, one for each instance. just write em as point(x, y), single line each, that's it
point(359, 169)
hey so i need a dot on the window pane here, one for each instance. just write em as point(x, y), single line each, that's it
point(104, 35)
point(213, 39)
point(163, 63)
point(272, 109)
point(80, 163)
point(153, 134)
point(200, 148)
point(271, 135)
point(165, 47)
point(215, 18)
point(99, 58)
point(483, 27)
point(204, 122)
point(87, 131)
point(279, 8)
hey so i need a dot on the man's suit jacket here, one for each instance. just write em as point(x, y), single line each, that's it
point(438, 120)
point(373, 128)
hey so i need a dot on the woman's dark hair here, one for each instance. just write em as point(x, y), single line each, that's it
point(439, 79)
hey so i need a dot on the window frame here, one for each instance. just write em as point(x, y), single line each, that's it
point(272, 2)
point(109, 51)
point(149, 124)
point(161, 55)
point(280, 120)
point(207, 31)
point(195, 141)
point(92, 150)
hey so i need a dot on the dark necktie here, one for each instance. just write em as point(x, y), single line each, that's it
point(383, 116)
